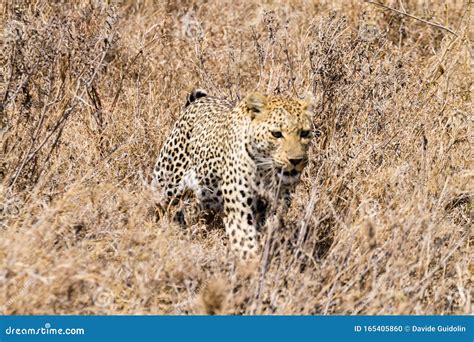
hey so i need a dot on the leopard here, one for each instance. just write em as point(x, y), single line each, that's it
point(241, 160)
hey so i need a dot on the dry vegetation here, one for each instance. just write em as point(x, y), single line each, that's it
point(381, 224)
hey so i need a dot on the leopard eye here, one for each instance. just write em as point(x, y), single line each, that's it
point(304, 134)
point(277, 134)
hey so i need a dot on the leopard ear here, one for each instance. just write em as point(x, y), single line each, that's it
point(255, 103)
point(308, 102)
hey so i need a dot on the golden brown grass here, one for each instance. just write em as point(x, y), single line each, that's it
point(381, 224)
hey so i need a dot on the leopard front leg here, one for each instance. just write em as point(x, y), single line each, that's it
point(277, 211)
point(239, 218)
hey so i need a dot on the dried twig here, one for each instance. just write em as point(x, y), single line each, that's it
point(114, 101)
point(413, 17)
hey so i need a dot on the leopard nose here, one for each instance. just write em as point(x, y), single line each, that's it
point(295, 162)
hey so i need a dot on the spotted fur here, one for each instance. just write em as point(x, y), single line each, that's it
point(236, 159)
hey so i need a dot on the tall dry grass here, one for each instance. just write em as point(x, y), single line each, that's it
point(381, 224)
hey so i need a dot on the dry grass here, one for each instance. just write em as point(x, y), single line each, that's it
point(381, 224)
